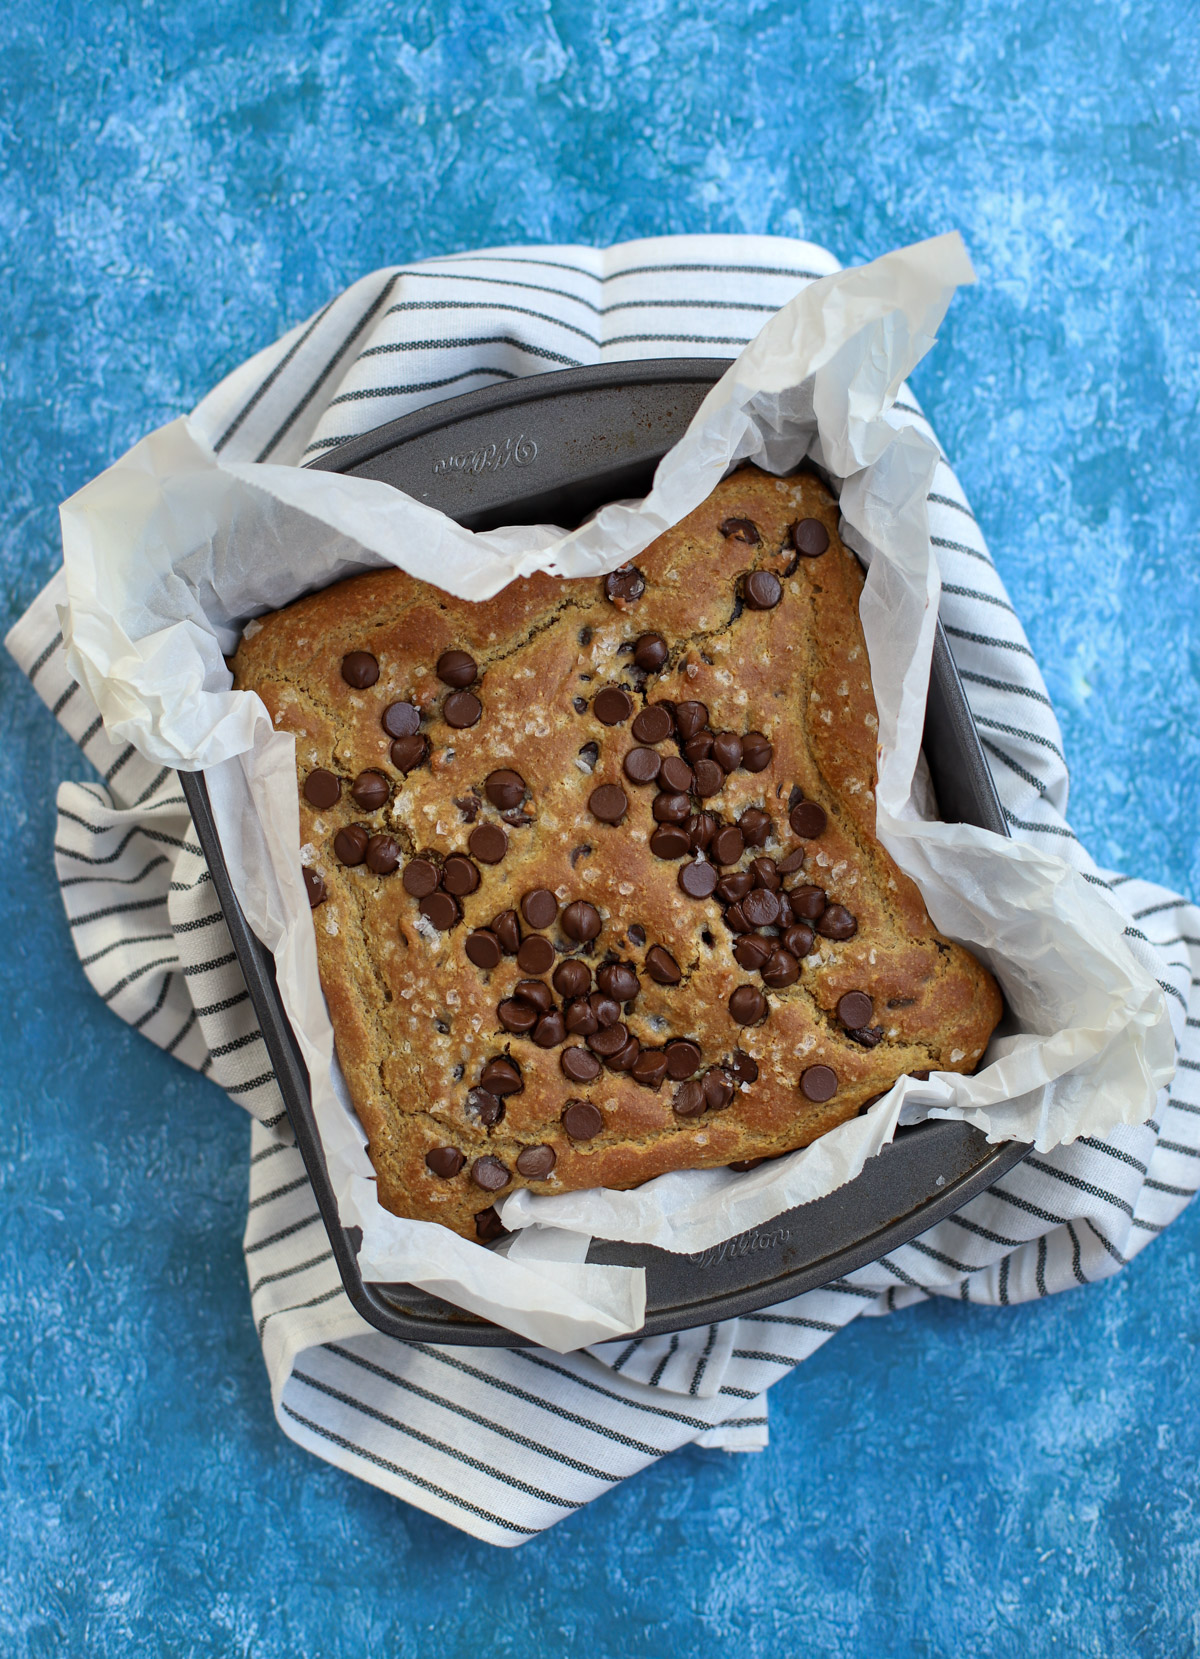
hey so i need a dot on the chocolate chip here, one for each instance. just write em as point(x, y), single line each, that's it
point(445, 1161)
point(370, 790)
point(808, 820)
point(579, 704)
point(609, 1039)
point(501, 1077)
point(718, 1089)
point(701, 828)
point(508, 930)
point(609, 803)
point(761, 907)
point(517, 818)
point(855, 1009)
point(624, 586)
point(612, 706)
point(539, 907)
point(810, 537)
point(690, 719)
point(868, 1036)
point(350, 844)
point(748, 1005)
point(752, 951)
point(440, 909)
point(505, 788)
point(683, 1057)
point(457, 668)
point(383, 855)
point(765, 874)
point(733, 888)
point(671, 809)
point(654, 724)
point(662, 966)
point(744, 1164)
point(698, 747)
point(535, 993)
point(490, 1174)
point(710, 778)
point(836, 922)
point(688, 1101)
point(649, 1068)
point(641, 765)
point(420, 877)
point(488, 1225)
point(808, 901)
point(536, 955)
point(459, 875)
point(625, 1058)
point(698, 880)
point(579, 852)
point(486, 1106)
point(818, 1083)
point(572, 978)
point(536, 1162)
point(798, 938)
point(401, 719)
point(727, 846)
point(549, 1030)
point(461, 709)
point(675, 775)
point(617, 979)
point(650, 652)
point(605, 1007)
point(580, 1018)
point(727, 751)
point(740, 529)
point(743, 1066)
point(781, 970)
point(669, 841)
point(757, 752)
point(580, 1118)
point(488, 843)
point(483, 948)
point(314, 887)
point(636, 934)
point(735, 919)
point(763, 590)
point(468, 807)
point(755, 826)
point(516, 1016)
point(580, 1067)
point(360, 670)
point(408, 752)
point(581, 921)
point(322, 789)
point(791, 862)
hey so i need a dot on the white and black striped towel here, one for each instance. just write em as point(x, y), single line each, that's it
point(500, 1443)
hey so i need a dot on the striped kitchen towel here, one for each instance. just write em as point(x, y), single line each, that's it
point(505, 1443)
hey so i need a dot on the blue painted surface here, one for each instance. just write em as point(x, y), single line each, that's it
point(181, 183)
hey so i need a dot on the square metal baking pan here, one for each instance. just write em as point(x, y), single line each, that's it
point(550, 448)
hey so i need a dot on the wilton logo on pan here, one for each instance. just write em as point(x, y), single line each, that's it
point(744, 1245)
point(520, 451)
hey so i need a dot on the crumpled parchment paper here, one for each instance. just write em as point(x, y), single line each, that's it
point(171, 550)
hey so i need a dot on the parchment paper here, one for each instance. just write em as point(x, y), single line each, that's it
point(172, 550)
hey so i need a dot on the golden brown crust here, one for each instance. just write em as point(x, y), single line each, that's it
point(415, 1021)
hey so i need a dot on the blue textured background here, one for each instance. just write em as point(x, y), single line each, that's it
point(181, 183)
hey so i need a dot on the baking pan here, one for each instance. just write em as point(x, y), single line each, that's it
point(552, 448)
